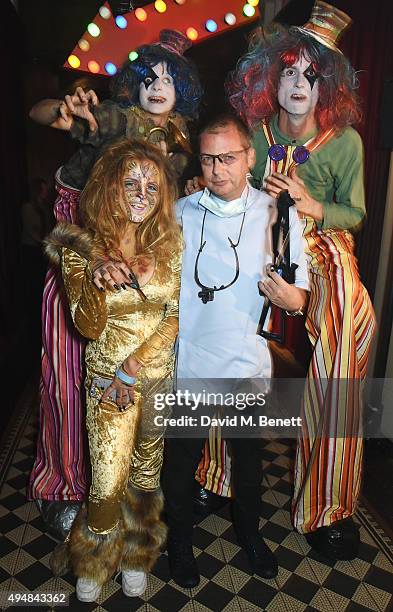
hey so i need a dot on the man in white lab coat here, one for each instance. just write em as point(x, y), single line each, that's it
point(227, 236)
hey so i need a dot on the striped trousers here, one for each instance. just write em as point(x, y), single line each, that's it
point(340, 324)
point(59, 470)
point(214, 469)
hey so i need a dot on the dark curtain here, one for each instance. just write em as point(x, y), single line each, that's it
point(15, 364)
point(369, 45)
point(13, 184)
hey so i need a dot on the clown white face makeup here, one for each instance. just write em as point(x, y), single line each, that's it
point(142, 189)
point(298, 89)
point(158, 96)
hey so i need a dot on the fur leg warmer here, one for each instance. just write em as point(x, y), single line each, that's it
point(94, 556)
point(59, 560)
point(144, 532)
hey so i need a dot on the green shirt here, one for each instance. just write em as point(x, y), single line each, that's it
point(334, 174)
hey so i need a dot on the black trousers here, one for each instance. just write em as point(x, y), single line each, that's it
point(182, 456)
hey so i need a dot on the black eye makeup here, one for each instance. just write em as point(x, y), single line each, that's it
point(311, 75)
point(150, 76)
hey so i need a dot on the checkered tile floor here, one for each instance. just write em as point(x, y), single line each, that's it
point(305, 581)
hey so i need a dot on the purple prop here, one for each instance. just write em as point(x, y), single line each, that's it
point(276, 152)
point(301, 155)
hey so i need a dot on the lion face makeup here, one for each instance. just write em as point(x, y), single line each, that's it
point(141, 188)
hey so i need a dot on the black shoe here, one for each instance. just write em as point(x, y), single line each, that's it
point(260, 557)
point(58, 516)
point(205, 502)
point(339, 541)
point(182, 564)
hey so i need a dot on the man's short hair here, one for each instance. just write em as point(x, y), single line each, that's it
point(221, 122)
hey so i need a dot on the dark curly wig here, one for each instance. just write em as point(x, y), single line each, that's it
point(252, 87)
point(125, 85)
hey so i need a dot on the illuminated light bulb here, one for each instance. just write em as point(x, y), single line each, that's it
point(121, 22)
point(110, 68)
point(93, 66)
point(248, 10)
point(74, 61)
point(93, 30)
point(83, 44)
point(180, 1)
point(132, 56)
point(160, 6)
point(211, 25)
point(104, 12)
point(192, 33)
point(230, 19)
point(253, 2)
point(141, 14)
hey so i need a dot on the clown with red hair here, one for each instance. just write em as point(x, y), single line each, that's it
point(298, 92)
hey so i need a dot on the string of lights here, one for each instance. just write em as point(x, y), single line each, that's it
point(115, 32)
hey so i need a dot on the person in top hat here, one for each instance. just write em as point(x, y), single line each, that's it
point(152, 96)
point(151, 99)
point(298, 91)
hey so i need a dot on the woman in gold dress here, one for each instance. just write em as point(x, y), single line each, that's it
point(128, 216)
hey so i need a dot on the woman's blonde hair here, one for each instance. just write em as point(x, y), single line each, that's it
point(101, 202)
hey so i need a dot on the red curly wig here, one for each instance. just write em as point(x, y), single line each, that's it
point(252, 87)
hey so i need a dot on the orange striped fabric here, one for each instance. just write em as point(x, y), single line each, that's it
point(214, 470)
point(340, 324)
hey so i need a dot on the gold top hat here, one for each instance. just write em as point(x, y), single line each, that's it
point(326, 24)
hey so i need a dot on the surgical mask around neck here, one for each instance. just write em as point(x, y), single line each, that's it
point(223, 208)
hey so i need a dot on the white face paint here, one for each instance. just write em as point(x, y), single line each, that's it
point(141, 188)
point(159, 97)
point(295, 94)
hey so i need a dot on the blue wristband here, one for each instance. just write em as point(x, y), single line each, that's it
point(128, 380)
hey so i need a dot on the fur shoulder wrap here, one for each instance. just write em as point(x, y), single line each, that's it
point(70, 236)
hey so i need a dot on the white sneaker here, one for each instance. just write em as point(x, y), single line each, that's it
point(87, 590)
point(133, 583)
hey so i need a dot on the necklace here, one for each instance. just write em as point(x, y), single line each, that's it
point(207, 293)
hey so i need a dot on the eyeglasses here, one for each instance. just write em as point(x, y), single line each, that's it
point(225, 158)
